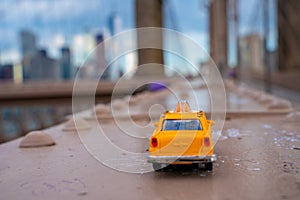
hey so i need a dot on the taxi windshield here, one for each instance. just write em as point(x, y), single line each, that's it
point(182, 124)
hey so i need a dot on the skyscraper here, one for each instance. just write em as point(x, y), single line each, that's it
point(115, 26)
point(44, 68)
point(65, 63)
point(101, 68)
point(28, 43)
point(6, 72)
point(28, 48)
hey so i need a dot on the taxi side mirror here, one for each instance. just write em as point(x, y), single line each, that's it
point(211, 122)
point(156, 124)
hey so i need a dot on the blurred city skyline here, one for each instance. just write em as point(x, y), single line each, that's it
point(75, 23)
point(54, 23)
point(57, 23)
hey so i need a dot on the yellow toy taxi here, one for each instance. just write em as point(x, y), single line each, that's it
point(182, 136)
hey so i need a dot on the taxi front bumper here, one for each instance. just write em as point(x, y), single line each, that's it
point(178, 159)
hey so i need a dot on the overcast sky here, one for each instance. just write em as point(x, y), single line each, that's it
point(60, 22)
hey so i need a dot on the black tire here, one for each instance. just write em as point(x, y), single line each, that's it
point(209, 166)
point(157, 166)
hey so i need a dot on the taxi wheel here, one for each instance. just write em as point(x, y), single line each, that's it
point(157, 166)
point(209, 166)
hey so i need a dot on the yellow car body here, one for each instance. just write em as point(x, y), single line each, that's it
point(182, 136)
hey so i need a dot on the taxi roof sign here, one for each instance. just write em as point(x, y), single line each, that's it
point(182, 106)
